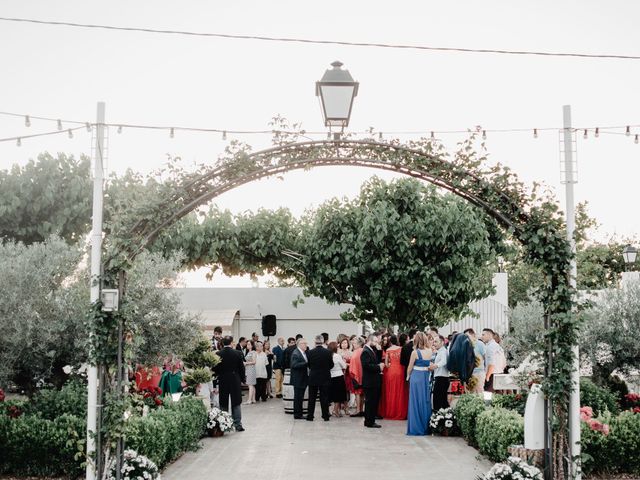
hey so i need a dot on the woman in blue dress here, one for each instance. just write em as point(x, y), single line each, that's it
point(419, 376)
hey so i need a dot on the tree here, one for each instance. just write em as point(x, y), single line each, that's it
point(401, 254)
point(609, 334)
point(49, 197)
point(44, 306)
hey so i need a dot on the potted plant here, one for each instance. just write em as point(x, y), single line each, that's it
point(134, 466)
point(513, 469)
point(219, 422)
point(443, 422)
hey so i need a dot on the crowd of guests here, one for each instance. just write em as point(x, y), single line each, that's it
point(384, 375)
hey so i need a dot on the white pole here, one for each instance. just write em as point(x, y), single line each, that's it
point(96, 250)
point(574, 402)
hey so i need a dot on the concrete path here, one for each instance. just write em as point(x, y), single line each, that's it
point(274, 446)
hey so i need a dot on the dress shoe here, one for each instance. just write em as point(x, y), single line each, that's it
point(239, 428)
point(374, 425)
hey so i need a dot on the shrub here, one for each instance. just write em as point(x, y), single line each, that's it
point(467, 409)
point(167, 432)
point(496, 430)
point(32, 445)
point(515, 401)
point(70, 399)
point(598, 398)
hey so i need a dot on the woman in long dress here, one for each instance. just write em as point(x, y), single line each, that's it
point(250, 371)
point(396, 393)
point(419, 386)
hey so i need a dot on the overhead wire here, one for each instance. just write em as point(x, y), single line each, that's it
point(323, 42)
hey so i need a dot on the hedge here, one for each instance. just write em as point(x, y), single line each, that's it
point(617, 452)
point(167, 432)
point(497, 429)
point(33, 445)
point(466, 410)
point(598, 398)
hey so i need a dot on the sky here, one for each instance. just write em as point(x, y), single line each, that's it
point(62, 72)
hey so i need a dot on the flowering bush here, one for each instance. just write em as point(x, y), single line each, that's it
point(135, 467)
point(527, 373)
point(219, 419)
point(513, 469)
point(443, 422)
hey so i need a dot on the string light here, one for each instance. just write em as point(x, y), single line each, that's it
point(119, 128)
point(19, 142)
point(171, 133)
point(535, 133)
point(224, 135)
point(628, 131)
point(59, 124)
point(27, 121)
point(585, 134)
point(484, 134)
point(70, 133)
point(597, 133)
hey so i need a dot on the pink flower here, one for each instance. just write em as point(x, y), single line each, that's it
point(586, 413)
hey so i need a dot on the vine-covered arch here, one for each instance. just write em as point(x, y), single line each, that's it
point(534, 221)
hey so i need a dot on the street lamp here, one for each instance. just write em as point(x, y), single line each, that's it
point(629, 254)
point(336, 90)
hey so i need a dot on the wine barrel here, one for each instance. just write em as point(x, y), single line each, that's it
point(287, 394)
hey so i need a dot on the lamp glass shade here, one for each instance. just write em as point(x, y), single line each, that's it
point(629, 254)
point(336, 90)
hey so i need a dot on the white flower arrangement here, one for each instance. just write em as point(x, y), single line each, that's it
point(219, 419)
point(513, 469)
point(444, 422)
point(134, 467)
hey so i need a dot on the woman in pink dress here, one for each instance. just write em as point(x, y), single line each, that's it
point(355, 368)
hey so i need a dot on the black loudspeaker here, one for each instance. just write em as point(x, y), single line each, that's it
point(268, 325)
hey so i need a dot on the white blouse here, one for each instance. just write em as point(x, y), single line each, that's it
point(339, 365)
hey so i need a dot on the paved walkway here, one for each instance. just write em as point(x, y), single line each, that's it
point(274, 446)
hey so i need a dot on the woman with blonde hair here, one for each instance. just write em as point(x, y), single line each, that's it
point(419, 377)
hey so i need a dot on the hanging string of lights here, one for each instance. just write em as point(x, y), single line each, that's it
point(625, 130)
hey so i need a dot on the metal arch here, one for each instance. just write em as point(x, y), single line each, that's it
point(303, 155)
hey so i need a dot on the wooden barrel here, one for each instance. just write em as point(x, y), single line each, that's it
point(287, 394)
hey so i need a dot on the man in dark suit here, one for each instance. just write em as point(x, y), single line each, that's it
point(293, 343)
point(320, 365)
point(405, 353)
point(231, 375)
point(371, 381)
point(299, 376)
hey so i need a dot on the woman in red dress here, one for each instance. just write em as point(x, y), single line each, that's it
point(395, 391)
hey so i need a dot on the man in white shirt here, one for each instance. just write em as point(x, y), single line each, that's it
point(441, 374)
point(492, 357)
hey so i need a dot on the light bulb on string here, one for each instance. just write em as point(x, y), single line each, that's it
point(70, 133)
point(585, 134)
point(59, 124)
point(628, 131)
point(224, 135)
point(18, 142)
point(484, 134)
point(27, 121)
point(535, 133)
point(597, 132)
point(171, 133)
point(119, 128)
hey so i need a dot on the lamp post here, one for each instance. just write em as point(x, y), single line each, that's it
point(629, 254)
point(336, 90)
